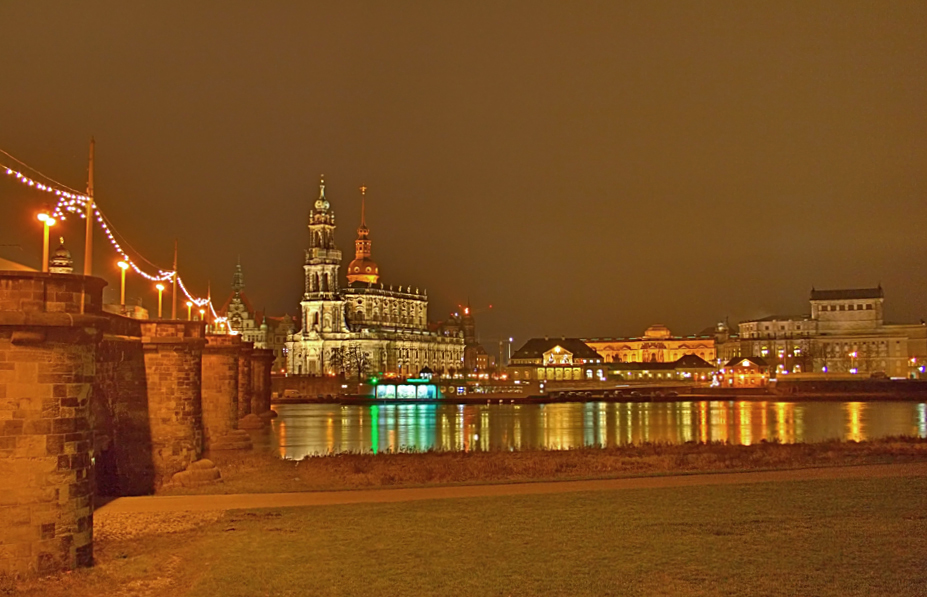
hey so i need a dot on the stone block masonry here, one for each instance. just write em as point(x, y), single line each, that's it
point(122, 442)
point(50, 327)
point(244, 379)
point(173, 355)
point(220, 394)
point(94, 403)
point(262, 360)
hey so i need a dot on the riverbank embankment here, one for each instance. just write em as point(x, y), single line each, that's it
point(265, 472)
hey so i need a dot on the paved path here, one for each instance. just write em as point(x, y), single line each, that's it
point(189, 503)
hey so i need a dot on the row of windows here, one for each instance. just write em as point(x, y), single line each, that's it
point(848, 307)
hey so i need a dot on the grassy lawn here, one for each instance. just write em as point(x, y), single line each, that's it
point(852, 537)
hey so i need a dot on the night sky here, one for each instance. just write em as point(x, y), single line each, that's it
point(588, 168)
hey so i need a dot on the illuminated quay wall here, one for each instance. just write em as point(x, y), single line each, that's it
point(92, 403)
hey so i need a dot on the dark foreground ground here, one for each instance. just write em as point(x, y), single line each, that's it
point(855, 536)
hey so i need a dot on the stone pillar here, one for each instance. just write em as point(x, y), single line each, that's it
point(50, 326)
point(173, 353)
point(262, 359)
point(244, 379)
point(220, 394)
point(121, 428)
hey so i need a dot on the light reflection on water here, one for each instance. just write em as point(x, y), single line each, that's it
point(306, 429)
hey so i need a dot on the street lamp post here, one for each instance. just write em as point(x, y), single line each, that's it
point(189, 310)
point(122, 292)
point(202, 314)
point(160, 288)
point(47, 222)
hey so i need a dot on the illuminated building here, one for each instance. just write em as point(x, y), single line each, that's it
point(744, 372)
point(264, 331)
point(657, 345)
point(727, 345)
point(785, 342)
point(844, 334)
point(366, 327)
point(688, 368)
point(556, 359)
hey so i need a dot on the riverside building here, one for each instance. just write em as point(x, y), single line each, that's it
point(365, 327)
point(657, 345)
point(845, 333)
point(556, 359)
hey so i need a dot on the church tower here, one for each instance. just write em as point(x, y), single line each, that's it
point(363, 268)
point(323, 307)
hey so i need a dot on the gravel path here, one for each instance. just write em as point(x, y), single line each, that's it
point(217, 503)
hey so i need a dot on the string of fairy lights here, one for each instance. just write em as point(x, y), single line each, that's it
point(70, 201)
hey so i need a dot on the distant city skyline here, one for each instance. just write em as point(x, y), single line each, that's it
point(589, 170)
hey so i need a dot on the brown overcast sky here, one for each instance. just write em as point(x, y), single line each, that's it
point(588, 168)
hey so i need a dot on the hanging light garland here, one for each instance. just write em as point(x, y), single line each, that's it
point(76, 203)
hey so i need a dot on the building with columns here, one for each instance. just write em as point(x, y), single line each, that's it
point(657, 345)
point(845, 334)
point(365, 327)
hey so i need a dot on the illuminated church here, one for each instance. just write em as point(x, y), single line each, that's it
point(365, 328)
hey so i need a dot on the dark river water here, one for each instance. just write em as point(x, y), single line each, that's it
point(309, 429)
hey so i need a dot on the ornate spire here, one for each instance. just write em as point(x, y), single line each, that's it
point(363, 268)
point(238, 278)
point(363, 231)
point(363, 191)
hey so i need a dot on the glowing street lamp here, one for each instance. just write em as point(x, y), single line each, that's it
point(47, 222)
point(189, 308)
point(122, 293)
point(202, 314)
point(160, 288)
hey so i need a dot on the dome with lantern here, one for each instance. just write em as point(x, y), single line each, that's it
point(61, 261)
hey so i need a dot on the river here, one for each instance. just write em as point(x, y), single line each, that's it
point(312, 429)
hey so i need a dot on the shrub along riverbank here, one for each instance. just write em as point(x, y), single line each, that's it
point(264, 472)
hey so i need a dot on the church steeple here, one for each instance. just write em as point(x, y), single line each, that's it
point(322, 203)
point(238, 279)
point(322, 214)
point(323, 257)
point(363, 268)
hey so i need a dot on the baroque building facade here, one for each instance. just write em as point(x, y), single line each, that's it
point(657, 345)
point(365, 327)
point(556, 359)
point(845, 333)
